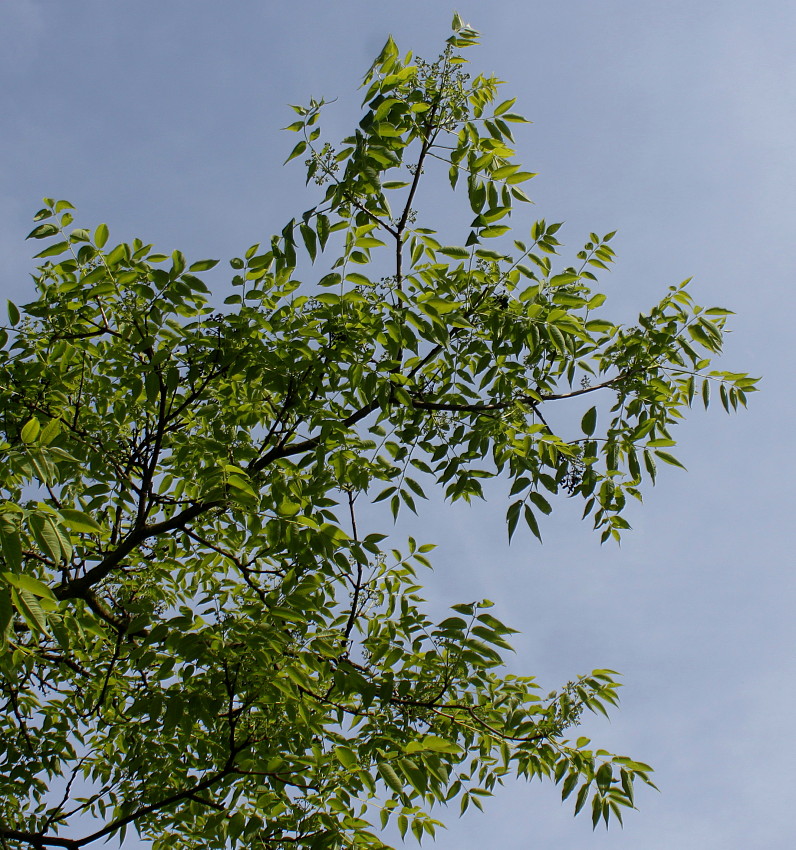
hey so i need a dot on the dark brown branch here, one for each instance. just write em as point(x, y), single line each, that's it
point(102, 612)
point(460, 408)
point(424, 149)
point(196, 393)
point(280, 777)
point(23, 727)
point(278, 421)
point(111, 664)
point(399, 230)
point(312, 442)
point(60, 808)
point(185, 794)
point(352, 200)
point(533, 400)
point(605, 384)
point(199, 539)
point(57, 658)
point(37, 840)
point(525, 739)
point(147, 479)
point(352, 616)
point(205, 802)
point(78, 588)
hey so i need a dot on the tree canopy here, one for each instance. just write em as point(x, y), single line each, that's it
point(201, 643)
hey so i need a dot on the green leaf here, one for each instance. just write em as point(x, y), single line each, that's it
point(11, 546)
point(152, 387)
point(79, 522)
point(346, 757)
point(322, 229)
point(649, 463)
point(288, 508)
point(569, 785)
point(515, 118)
point(53, 250)
point(13, 313)
point(455, 252)
point(46, 536)
point(30, 430)
point(310, 241)
point(667, 458)
point(439, 305)
point(539, 500)
point(494, 230)
point(583, 795)
point(434, 744)
point(505, 106)
point(29, 584)
point(6, 615)
point(202, 265)
point(332, 279)
point(643, 429)
point(589, 421)
point(530, 521)
point(557, 338)
point(42, 231)
point(504, 171)
point(101, 236)
point(240, 483)
point(596, 809)
point(390, 777)
point(513, 516)
point(520, 177)
point(50, 431)
point(30, 609)
point(297, 151)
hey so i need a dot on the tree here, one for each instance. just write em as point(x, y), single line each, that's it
point(201, 642)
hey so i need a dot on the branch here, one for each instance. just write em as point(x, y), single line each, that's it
point(56, 658)
point(205, 802)
point(111, 664)
point(186, 794)
point(352, 200)
point(79, 587)
point(609, 383)
point(533, 400)
point(144, 499)
point(281, 451)
point(37, 840)
point(428, 141)
point(279, 778)
point(461, 408)
point(60, 808)
point(358, 584)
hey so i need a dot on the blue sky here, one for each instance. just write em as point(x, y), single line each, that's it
point(672, 122)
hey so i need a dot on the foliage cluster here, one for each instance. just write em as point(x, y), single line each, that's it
point(200, 643)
